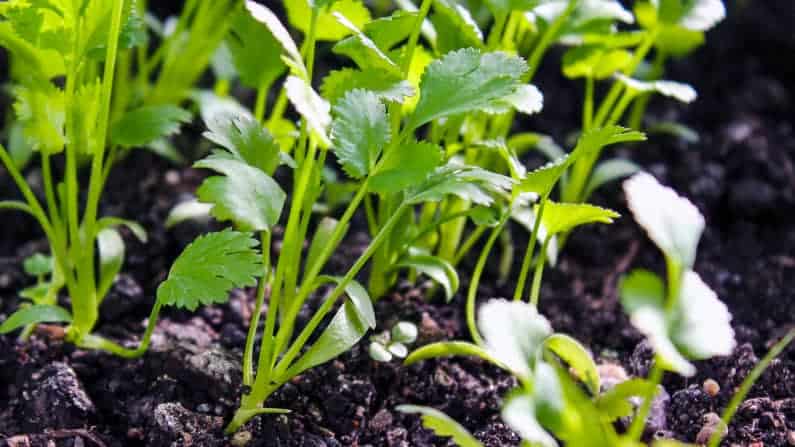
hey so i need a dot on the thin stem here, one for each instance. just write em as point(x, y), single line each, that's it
point(535, 290)
point(497, 29)
point(299, 343)
point(49, 191)
point(248, 353)
point(470, 242)
point(528, 256)
point(547, 39)
point(261, 101)
point(587, 110)
point(472, 292)
point(621, 107)
point(91, 341)
point(748, 383)
point(635, 431)
point(405, 63)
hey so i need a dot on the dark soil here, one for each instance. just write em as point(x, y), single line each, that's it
point(740, 175)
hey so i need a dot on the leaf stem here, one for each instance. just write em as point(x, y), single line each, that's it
point(248, 353)
point(472, 292)
point(528, 255)
point(535, 290)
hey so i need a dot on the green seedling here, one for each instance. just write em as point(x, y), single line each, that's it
point(394, 343)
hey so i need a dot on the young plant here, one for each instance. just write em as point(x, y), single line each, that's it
point(390, 344)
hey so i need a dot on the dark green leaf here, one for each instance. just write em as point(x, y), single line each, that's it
point(360, 131)
point(146, 124)
point(385, 85)
point(255, 52)
point(243, 136)
point(209, 268)
point(406, 166)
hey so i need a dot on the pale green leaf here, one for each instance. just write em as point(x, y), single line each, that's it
point(42, 113)
point(615, 402)
point(247, 139)
point(442, 425)
point(254, 50)
point(111, 257)
point(466, 182)
point(681, 92)
point(608, 171)
point(135, 228)
point(385, 85)
point(265, 16)
point(38, 264)
point(563, 217)
point(455, 27)
point(299, 13)
point(577, 358)
point(362, 50)
point(388, 31)
point(359, 298)
point(448, 349)
point(360, 131)
point(519, 413)
point(209, 268)
point(189, 210)
point(702, 328)
point(314, 109)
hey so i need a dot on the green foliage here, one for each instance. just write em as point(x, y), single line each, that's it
point(40, 313)
point(146, 124)
point(209, 268)
point(442, 425)
point(360, 132)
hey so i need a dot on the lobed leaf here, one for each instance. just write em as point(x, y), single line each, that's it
point(299, 13)
point(247, 139)
point(360, 132)
point(208, 268)
point(146, 124)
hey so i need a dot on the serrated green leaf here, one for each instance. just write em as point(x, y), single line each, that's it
point(577, 358)
point(360, 132)
point(42, 113)
point(208, 268)
point(466, 182)
point(344, 331)
point(386, 86)
point(442, 425)
point(39, 313)
point(245, 195)
point(455, 27)
point(146, 124)
point(464, 81)
point(362, 50)
point(299, 12)
point(563, 217)
point(542, 180)
point(437, 268)
point(244, 137)
point(591, 61)
point(406, 166)
point(314, 109)
point(255, 52)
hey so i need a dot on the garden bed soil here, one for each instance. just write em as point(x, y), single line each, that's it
point(740, 175)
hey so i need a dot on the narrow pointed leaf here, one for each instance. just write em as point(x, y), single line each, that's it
point(40, 313)
point(442, 425)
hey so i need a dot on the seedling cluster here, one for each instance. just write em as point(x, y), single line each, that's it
point(415, 129)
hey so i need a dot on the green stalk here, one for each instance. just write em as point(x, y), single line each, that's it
point(587, 110)
point(92, 341)
point(635, 431)
point(748, 383)
point(472, 292)
point(470, 242)
point(248, 353)
point(528, 256)
point(547, 39)
point(535, 290)
point(261, 101)
point(303, 337)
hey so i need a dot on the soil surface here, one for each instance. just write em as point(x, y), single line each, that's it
point(740, 174)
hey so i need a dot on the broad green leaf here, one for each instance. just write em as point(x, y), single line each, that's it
point(513, 332)
point(519, 413)
point(265, 16)
point(359, 298)
point(383, 84)
point(615, 402)
point(590, 61)
point(608, 171)
point(255, 52)
point(111, 257)
point(465, 182)
point(448, 349)
point(42, 113)
point(244, 194)
point(406, 166)
point(314, 109)
point(543, 180)
point(208, 268)
point(146, 124)
point(442, 425)
point(189, 210)
point(702, 328)
point(135, 228)
point(40, 313)
point(671, 221)
point(388, 31)
point(362, 50)
point(598, 138)
point(465, 81)
point(344, 331)
point(681, 92)
point(360, 131)
point(455, 27)
point(437, 268)
point(163, 147)
point(244, 137)
point(577, 358)
point(299, 13)
point(322, 237)
point(563, 217)
point(38, 264)
point(641, 288)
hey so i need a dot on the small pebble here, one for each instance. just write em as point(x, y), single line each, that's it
point(241, 438)
point(711, 387)
point(791, 438)
point(712, 423)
